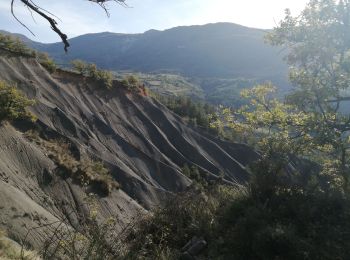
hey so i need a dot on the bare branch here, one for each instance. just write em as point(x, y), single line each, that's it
point(102, 3)
point(13, 14)
point(52, 21)
point(49, 16)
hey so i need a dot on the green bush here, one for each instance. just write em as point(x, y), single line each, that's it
point(131, 82)
point(196, 112)
point(190, 214)
point(90, 70)
point(45, 60)
point(106, 77)
point(13, 104)
point(79, 66)
point(15, 45)
point(198, 179)
point(236, 224)
point(289, 226)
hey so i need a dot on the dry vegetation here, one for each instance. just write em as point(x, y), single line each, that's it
point(17, 47)
point(85, 171)
point(13, 103)
point(90, 70)
point(9, 250)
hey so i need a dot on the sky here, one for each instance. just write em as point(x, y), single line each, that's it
point(78, 17)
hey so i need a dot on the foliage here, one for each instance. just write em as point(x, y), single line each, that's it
point(13, 104)
point(131, 82)
point(79, 66)
point(319, 54)
point(274, 127)
point(98, 240)
point(90, 70)
point(239, 225)
point(289, 226)
point(226, 91)
point(291, 213)
point(235, 222)
point(312, 121)
point(163, 235)
point(197, 113)
point(198, 178)
point(15, 45)
point(46, 62)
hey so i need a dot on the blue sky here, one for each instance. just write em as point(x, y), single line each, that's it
point(80, 16)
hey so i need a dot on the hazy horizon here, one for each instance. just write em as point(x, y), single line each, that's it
point(81, 17)
point(33, 38)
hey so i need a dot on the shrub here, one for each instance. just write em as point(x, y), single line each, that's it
point(48, 63)
point(197, 113)
point(98, 240)
point(90, 70)
point(13, 104)
point(190, 214)
point(97, 176)
point(79, 66)
point(131, 82)
point(15, 45)
point(198, 178)
point(238, 225)
point(92, 174)
point(289, 226)
point(105, 77)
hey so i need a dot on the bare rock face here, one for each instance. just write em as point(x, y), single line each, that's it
point(142, 143)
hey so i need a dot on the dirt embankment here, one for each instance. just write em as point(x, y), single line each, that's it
point(142, 143)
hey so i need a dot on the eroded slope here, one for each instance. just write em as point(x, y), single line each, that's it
point(142, 143)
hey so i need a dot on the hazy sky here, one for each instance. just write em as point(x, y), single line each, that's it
point(80, 16)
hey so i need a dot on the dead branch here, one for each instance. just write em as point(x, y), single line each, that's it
point(32, 7)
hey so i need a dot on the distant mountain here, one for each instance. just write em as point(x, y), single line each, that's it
point(217, 59)
point(222, 50)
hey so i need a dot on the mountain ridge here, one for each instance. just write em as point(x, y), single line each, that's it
point(223, 50)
